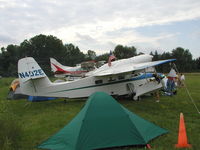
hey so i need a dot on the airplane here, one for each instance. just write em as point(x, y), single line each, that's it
point(63, 71)
point(122, 77)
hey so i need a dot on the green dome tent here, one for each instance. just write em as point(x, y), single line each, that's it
point(103, 123)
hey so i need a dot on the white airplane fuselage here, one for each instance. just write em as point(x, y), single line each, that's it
point(113, 85)
point(34, 82)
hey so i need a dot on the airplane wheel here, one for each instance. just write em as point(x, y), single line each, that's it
point(135, 98)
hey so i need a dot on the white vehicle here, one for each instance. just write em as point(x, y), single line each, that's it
point(126, 76)
point(63, 71)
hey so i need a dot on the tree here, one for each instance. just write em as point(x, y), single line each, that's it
point(73, 55)
point(9, 58)
point(91, 55)
point(197, 62)
point(102, 57)
point(42, 47)
point(183, 59)
point(156, 56)
point(124, 52)
point(1, 60)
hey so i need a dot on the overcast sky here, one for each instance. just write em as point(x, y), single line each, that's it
point(100, 25)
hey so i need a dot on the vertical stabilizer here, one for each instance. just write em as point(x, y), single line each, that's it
point(32, 78)
point(56, 66)
point(29, 69)
point(53, 62)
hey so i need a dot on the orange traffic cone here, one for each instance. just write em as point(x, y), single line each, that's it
point(182, 137)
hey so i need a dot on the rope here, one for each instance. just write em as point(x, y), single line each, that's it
point(192, 100)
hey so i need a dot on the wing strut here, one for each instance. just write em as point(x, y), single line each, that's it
point(131, 89)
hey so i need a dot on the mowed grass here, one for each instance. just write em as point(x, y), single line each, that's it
point(39, 120)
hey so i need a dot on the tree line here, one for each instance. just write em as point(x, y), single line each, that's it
point(42, 47)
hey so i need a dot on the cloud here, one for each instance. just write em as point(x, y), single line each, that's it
point(96, 25)
point(5, 39)
point(99, 46)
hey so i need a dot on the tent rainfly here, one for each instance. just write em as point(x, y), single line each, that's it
point(103, 123)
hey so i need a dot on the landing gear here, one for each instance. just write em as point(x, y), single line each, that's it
point(65, 100)
point(136, 98)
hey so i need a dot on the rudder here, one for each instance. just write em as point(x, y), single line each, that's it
point(29, 73)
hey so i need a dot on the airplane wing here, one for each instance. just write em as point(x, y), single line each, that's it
point(124, 68)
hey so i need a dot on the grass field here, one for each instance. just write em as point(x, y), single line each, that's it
point(25, 124)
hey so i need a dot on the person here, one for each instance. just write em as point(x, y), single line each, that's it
point(159, 78)
point(157, 95)
point(182, 80)
point(171, 82)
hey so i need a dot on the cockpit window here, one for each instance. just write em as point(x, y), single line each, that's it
point(98, 81)
point(111, 79)
point(121, 77)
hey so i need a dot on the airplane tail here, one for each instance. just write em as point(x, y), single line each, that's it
point(56, 66)
point(31, 77)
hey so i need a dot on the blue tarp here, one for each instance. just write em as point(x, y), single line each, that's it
point(40, 98)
